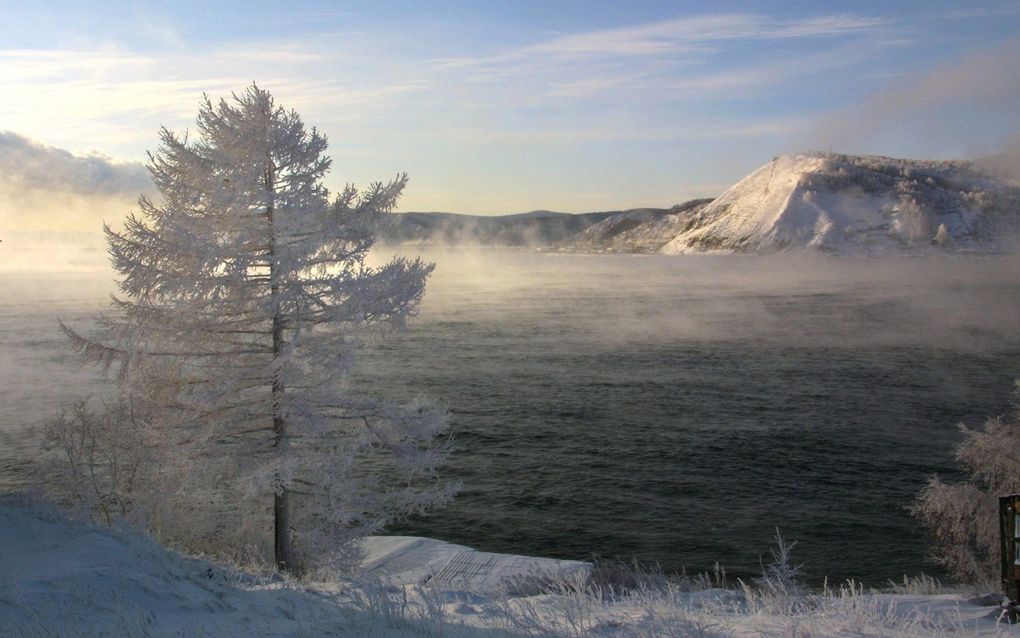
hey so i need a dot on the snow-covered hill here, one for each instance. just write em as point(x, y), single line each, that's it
point(856, 204)
point(824, 201)
point(642, 230)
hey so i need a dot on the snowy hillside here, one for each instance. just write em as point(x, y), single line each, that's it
point(857, 204)
point(65, 579)
point(642, 230)
point(823, 201)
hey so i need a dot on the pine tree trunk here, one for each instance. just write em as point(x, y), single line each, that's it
point(283, 548)
point(281, 499)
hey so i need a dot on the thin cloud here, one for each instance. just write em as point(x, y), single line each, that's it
point(21, 65)
point(633, 133)
point(767, 74)
point(981, 12)
point(120, 100)
point(1005, 163)
point(664, 58)
point(824, 26)
point(683, 35)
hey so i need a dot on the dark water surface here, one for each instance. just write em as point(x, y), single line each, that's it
point(670, 409)
point(677, 411)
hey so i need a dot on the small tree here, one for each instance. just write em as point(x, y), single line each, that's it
point(246, 293)
point(912, 223)
point(942, 237)
point(963, 517)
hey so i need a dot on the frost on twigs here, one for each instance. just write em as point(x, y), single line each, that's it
point(962, 518)
point(244, 297)
point(781, 576)
point(779, 588)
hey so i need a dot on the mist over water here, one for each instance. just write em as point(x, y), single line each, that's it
point(39, 374)
point(670, 409)
point(678, 410)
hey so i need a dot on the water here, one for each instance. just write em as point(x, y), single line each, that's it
point(39, 375)
point(672, 410)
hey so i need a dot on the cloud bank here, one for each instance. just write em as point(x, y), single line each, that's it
point(25, 163)
point(53, 204)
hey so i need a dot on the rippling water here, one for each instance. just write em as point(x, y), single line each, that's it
point(670, 409)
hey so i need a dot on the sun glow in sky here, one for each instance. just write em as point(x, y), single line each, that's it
point(499, 107)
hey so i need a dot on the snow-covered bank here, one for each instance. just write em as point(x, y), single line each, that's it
point(411, 560)
point(66, 579)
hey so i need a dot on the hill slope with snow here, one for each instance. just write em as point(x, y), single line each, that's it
point(59, 578)
point(856, 204)
point(642, 230)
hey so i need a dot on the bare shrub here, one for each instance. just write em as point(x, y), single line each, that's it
point(99, 456)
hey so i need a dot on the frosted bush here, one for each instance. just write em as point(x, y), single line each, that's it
point(963, 517)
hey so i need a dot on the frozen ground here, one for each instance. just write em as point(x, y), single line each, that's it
point(60, 578)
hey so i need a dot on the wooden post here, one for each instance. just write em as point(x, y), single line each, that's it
point(1009, 535)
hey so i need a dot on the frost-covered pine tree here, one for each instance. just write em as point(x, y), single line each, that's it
point(245, 294)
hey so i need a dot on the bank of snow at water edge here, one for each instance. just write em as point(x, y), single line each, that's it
point(59, 578)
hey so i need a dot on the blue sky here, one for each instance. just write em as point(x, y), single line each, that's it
point(496, 107)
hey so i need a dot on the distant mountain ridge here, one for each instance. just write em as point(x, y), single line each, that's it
point(535, 229)
point(829, 202)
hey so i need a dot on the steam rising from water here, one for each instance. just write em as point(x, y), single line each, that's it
point(36, 166)
point(53, 204)
point(952, 302)
point(1005, 163)
point(621, 404)
point(981, 83)
point(677, 409)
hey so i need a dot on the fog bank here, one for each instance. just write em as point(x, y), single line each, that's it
point(966, 302)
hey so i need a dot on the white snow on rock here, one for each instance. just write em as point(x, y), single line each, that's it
point(758, 206)
point(860, 204)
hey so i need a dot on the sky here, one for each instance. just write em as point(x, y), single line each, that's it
point(499, 107)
